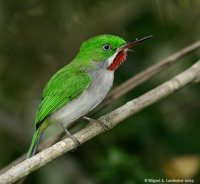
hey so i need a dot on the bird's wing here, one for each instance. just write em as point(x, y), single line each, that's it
point(63, 87)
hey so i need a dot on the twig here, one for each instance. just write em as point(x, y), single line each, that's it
point(111, 119)
point(126, 87)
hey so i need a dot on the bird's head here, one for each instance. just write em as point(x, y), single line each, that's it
point(107, 48)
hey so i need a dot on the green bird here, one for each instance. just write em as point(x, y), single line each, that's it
point(80, 86)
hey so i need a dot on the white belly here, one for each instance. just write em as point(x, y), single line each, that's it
point(101, 83)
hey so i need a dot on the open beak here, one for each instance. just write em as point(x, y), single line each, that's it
point(132, 44)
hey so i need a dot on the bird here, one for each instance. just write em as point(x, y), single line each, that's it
point(77, 88)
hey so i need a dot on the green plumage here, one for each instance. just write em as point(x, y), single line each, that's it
point(71, 81)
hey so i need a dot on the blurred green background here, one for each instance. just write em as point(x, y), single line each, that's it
point(37, 37)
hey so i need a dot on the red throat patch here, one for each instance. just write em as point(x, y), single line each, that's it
point(118, 60)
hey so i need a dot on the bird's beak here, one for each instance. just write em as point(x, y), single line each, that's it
point(132, 44)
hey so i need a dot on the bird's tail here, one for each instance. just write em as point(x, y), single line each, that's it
point(35, 142)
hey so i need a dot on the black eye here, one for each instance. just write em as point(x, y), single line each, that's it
point(106, 47)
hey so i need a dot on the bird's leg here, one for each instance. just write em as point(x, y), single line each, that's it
point(104, 126)
point(74, 139)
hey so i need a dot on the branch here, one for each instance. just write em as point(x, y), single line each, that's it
point(111, 119)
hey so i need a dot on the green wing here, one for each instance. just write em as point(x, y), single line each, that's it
point(63, 87)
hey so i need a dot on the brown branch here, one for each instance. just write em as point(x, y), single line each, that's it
point(125, 88)
point(111, 119)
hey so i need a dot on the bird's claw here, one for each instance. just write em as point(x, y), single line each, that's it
point(103, 125)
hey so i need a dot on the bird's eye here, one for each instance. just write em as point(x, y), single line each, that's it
point(106, 47)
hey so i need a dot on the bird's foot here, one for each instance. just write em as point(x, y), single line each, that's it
point(74, 139)
point(103, 126)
